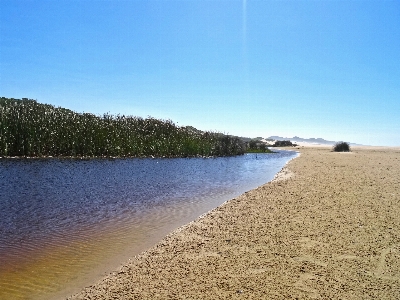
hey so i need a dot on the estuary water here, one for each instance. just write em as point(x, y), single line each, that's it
point(67, 222)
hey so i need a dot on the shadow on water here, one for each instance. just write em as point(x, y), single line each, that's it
point(65, 222)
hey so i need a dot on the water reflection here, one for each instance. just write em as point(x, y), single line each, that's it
point(46, 204)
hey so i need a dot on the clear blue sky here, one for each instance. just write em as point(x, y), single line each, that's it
point(327, 69)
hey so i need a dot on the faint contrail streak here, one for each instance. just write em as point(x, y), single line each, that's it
point(244, 47)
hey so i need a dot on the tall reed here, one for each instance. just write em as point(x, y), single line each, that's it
point(29, 128)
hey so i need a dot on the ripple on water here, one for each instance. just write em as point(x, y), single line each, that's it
point(64, 222)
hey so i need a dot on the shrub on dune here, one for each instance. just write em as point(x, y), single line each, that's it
point(341, 147)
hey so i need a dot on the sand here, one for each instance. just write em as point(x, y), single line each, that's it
point(327, 228)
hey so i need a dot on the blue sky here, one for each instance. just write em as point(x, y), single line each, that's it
point(327, 69)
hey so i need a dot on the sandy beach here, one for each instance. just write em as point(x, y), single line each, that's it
point(328, 227)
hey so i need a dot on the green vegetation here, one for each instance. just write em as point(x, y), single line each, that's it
point(28, 128)
point(284, 144)
point(259, 151)
point(257, 146)
point(341, 147)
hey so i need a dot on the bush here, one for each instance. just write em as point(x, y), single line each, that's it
point(341, 147)
point(257, 146)
point(29, 128)
point(284, 144)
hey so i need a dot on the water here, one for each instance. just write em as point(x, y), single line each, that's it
point(65, 222)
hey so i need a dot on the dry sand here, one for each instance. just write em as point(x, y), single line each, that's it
point(328, 229)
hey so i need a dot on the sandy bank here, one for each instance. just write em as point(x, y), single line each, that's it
point(329, 230)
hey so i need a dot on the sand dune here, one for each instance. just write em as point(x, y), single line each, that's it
point(328, 229)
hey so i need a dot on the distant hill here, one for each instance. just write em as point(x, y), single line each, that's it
point(310, 140)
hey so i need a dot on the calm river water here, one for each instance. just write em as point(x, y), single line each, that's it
point(67, 222)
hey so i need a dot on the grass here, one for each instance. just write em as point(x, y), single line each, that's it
point(29, 128)
point(259, 151)
point(257, 146)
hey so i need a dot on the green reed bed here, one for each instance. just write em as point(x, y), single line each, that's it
point(29, 128)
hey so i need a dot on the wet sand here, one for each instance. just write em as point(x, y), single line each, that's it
point(327, 228)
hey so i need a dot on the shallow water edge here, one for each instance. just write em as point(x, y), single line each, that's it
point(119, 228)
point(282, 174)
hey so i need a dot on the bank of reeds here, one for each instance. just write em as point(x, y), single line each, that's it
point(29, 128)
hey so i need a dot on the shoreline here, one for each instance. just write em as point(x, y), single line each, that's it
point(327, 229)
point(68, 268)
point(282, 175)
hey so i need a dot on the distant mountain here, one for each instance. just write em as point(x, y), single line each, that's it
point(310, 140)
point(299, 139)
